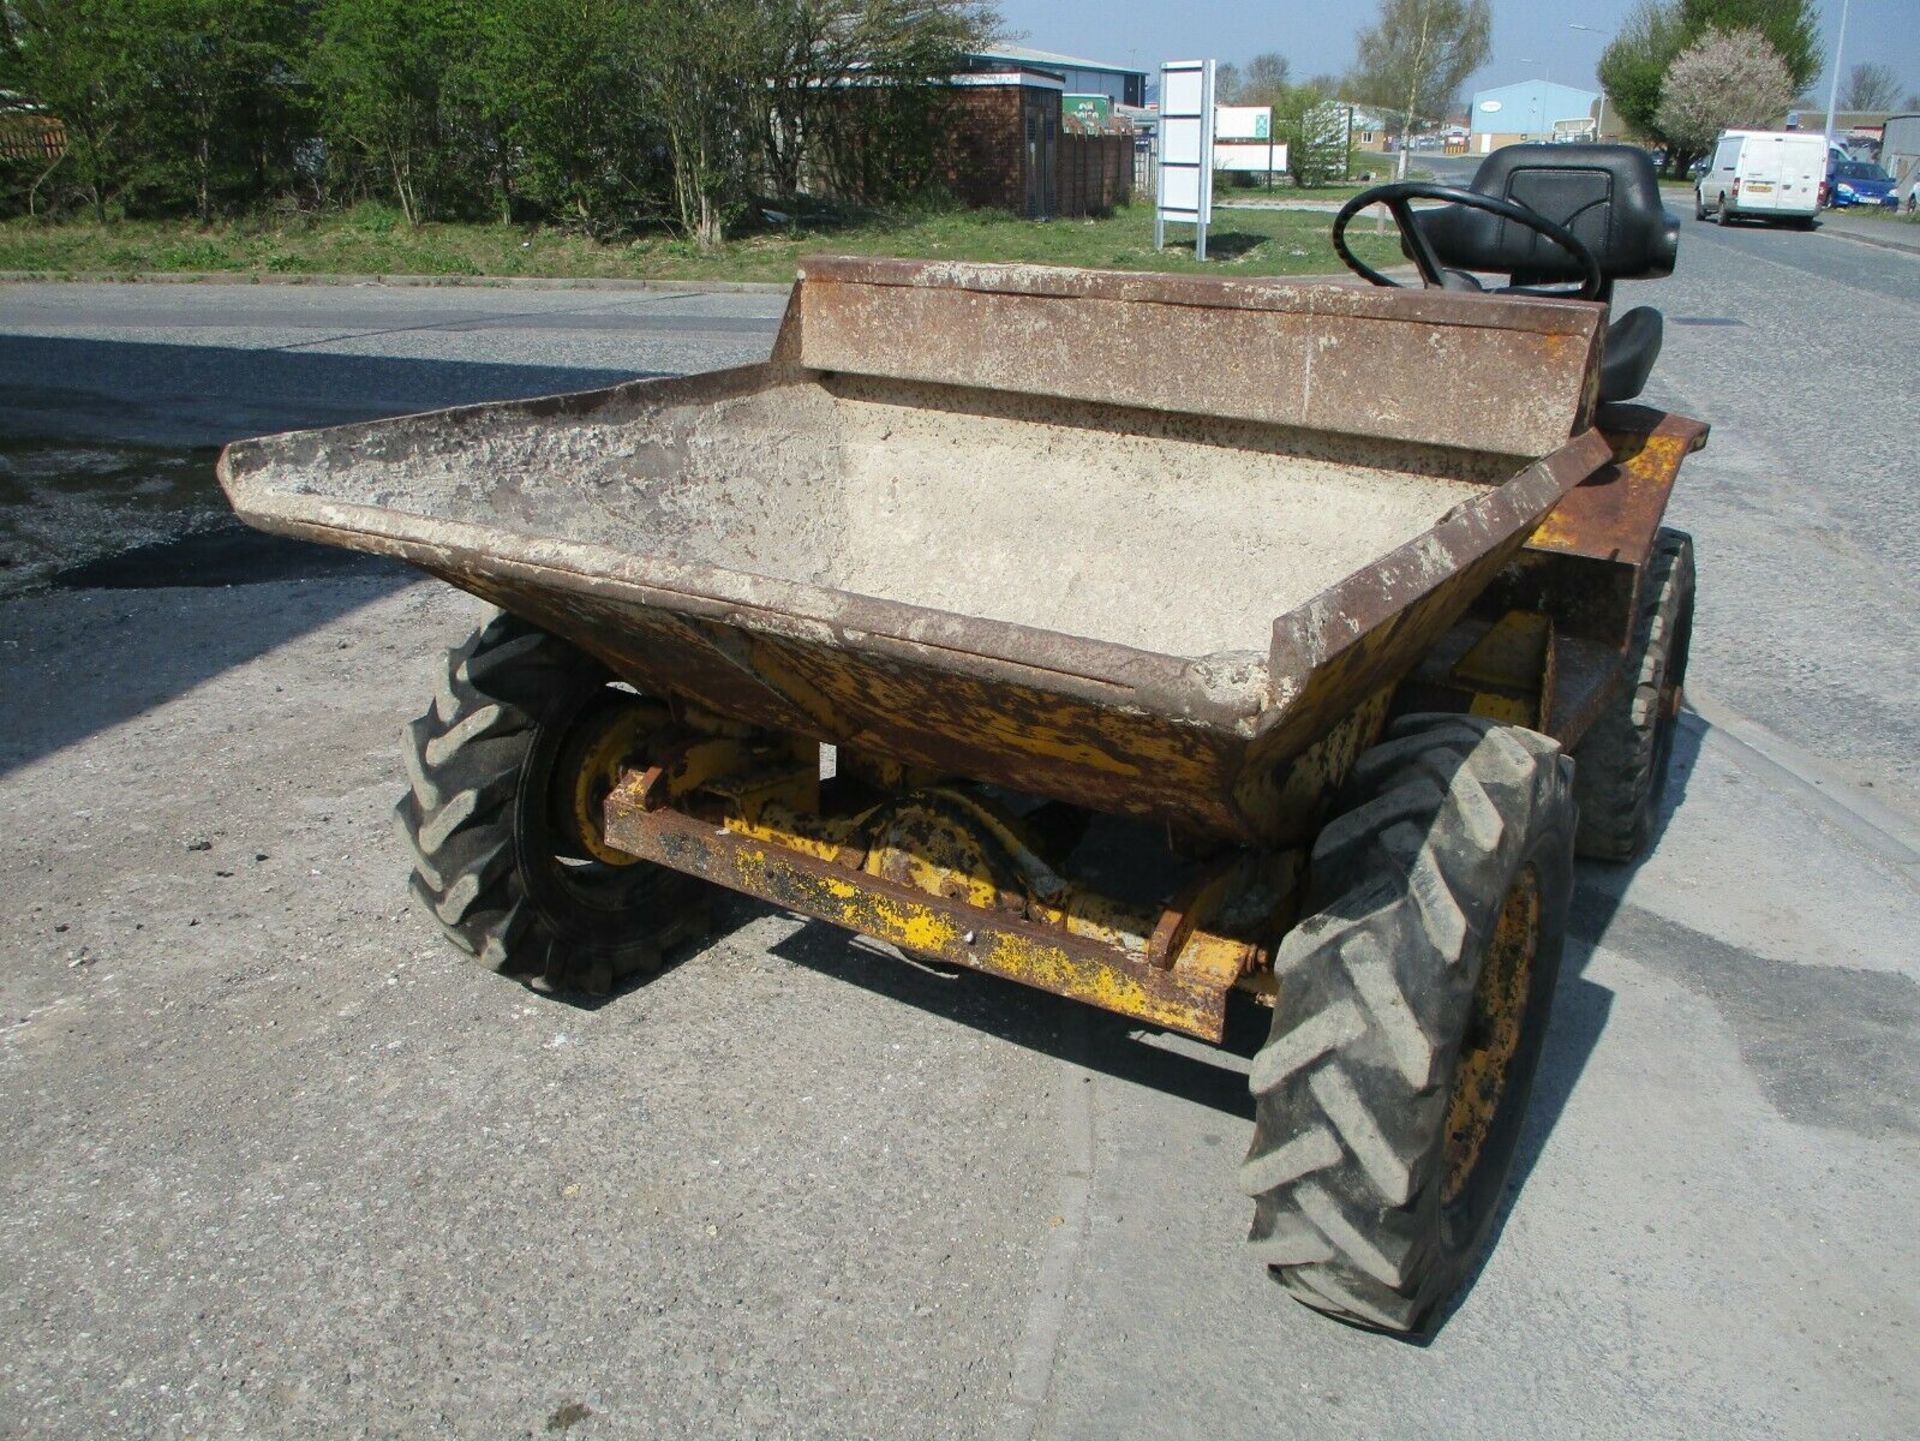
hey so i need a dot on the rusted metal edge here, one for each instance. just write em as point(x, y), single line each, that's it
point(1623, 418)
point(1226, 693)
point(1312, 634)
point(1531, 313)
point(1007, 946)
point(1185, 691)
point(1437, 574)
point(1615, 513)
point(305, 448)
point(1284, 356)
point(1590, 675)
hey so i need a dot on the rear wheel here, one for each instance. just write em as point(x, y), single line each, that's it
point(508, 768)
point(1411, 1009)
point(1720, 214)
point(1622, 763)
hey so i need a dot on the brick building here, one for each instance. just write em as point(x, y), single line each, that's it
point(1010, 148)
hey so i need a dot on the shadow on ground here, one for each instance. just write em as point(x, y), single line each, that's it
point(108, 499)
point(208, 395)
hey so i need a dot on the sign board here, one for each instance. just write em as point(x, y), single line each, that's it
point(1092, 109)
point(1183, 190)
point(1259, 157)
point(1568, 129)
point(1242, 122)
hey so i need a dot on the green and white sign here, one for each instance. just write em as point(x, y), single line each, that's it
point(1242, 122)
point(1090, 109)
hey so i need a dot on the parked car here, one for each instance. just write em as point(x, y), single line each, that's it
point(1859, 182)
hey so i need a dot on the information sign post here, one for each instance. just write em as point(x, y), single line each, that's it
point(1184, 189)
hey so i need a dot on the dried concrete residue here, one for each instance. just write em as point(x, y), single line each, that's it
point(1168, 534)
point(1164, 543)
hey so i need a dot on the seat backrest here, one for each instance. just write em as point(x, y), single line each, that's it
point(1607, 195)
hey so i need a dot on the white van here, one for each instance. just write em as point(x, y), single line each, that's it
point(1762, 174)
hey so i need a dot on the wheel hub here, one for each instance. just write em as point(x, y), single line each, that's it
point(606, 736)
point(1493, 1032)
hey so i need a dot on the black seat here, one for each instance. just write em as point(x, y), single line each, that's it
point(1609, 197)
point(1633, 344)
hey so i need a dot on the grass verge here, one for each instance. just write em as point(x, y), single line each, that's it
point(374, 241)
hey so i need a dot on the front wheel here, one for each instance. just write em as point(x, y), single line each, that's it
point(508, 768)
point(1408, 1024)
point(1699, 206)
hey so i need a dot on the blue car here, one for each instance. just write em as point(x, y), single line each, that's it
point(1859, 182)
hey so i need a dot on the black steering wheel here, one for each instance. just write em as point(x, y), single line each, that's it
point(1395, 198)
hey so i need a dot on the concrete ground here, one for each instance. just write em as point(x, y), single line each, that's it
point(276, 1161)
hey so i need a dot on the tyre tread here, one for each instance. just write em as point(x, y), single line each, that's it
point(1374, 990)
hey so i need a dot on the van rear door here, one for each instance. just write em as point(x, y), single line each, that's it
point(1761, 172)
point(1803, 165)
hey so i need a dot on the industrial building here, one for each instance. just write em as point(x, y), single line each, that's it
point(1530, 110)
point(1120, 84)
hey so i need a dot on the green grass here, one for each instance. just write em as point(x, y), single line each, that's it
point(1879, 213)
point(372, 240)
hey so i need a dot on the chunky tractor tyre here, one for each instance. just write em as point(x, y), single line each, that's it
point(523, 737)
point(1621, 764)
point(1412, 1004)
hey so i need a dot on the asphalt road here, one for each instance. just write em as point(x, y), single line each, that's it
point(273, 1160)
point(1801, 349)
point(200, 365)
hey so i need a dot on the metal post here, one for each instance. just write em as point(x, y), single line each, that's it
point(1600, 126)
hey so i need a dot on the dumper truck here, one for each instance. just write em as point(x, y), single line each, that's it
point(1172, 643)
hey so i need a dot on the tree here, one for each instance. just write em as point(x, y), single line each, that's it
point(1418, 53)
point(1870, 87)
point(558, 92)
point(380, 67)
point(855, 90)
point(602, 113)
point(1313, 125)
point(1791, 27)
point(1634, 64)
point(702, 78)
point(1725, 80)
point(1266, 73)
point(73, 58)
point(210, 73)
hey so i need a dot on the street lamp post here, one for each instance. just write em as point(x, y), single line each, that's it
point(1600, 125)
point(1833, 87)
